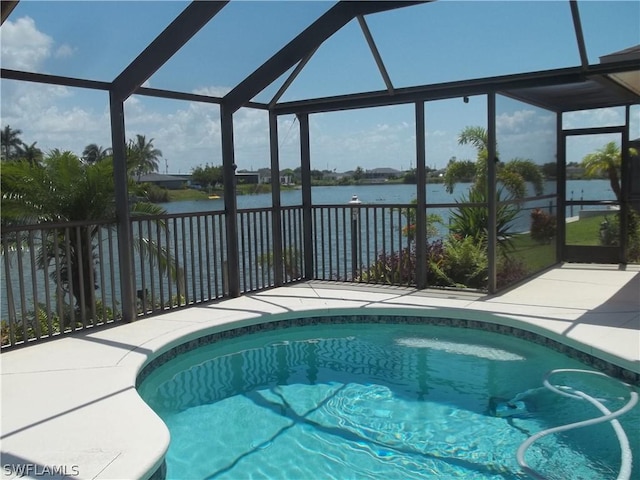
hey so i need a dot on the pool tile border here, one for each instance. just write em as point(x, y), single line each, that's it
point(610, 369)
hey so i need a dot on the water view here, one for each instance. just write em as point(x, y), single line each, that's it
point(197, 243)
point(381, 194)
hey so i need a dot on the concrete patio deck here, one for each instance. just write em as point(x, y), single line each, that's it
point(70, 406)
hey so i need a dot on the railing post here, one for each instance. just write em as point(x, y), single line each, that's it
point(276, 212)
point(355, 211)
point(492, 201)
point(230, 203)
point(305, 166)
point(125, 237)
point(561, 189)
point(625, 179)
point(421, 196)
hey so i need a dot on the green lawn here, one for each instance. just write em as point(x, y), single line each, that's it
point(538, 256)
point(585, 231)
point(187, 194)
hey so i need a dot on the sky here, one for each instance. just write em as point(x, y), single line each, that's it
point(436, 42)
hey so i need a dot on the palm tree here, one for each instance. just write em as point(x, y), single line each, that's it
point(606, 161)
point(513, 174)
point(10, 141)
point(93, 153)
point(142, 157)
point(30, 153)
point(64, 189)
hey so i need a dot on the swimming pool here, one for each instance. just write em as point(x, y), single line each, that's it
point(377, 400)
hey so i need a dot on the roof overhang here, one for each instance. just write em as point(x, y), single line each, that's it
point(597, 90)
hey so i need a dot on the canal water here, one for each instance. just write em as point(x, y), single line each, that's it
point(378, 195)
point(381, 194)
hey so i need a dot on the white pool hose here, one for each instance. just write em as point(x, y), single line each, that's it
point(608, 416)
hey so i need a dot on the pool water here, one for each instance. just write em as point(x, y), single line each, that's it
point(392, 401)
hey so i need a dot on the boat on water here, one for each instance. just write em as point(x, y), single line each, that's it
point(214, 197)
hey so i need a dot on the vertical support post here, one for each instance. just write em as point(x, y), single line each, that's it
point(355, 218)
point(561, 188)
point(492, 203)
point(421, 195)
point(625, 177)
point(125, 238)
point(305, 166)
point(276, 214)
point(230, 203)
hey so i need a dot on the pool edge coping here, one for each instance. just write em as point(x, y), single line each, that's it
point(528, 332)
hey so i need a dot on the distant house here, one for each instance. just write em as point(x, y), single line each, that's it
point(248, 178)
point(170, 182)
point(265, 177)
point(379, 175)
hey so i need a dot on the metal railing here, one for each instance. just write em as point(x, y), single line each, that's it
point(65, 277)
point(348, 239)
point(179, 261)
point(48, 268)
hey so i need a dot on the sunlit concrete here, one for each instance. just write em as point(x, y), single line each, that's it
point(71, 403)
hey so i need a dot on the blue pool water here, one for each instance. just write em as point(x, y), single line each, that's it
point(392, 401)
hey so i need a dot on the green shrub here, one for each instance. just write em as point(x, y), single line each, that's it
point(156, 194)
point(543, 226)
point(471, 221)
point(610, 233)
point(291, 260)
point(465, 264)
point(400, 268)
point(36, 321)
point(510, 270)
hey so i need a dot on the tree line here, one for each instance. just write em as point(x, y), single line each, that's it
point(59, 187)
point(142, 156)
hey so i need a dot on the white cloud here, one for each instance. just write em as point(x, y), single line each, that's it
point(516, 121)
point(213, 91)
point(529, 133)
point(64, 51)
point(44, 115)
point(51, 115)
point(379, 145)
point(437, 133)
point(601, 117)
point(24, 47)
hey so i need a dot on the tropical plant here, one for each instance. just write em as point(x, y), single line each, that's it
point(472, 221)
point(610, 233)
point(290, 261)
point(10, 142)
point(459, 171)
point(142, 156)
point(63, 189)
point(36, 324)
point(513, 175)
point(93, 153)
point(409, 230)
point(397, 268)
point(606, 161)
point(543, 226)
point(30, 153)
point(465, 264)
point(400, 267)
